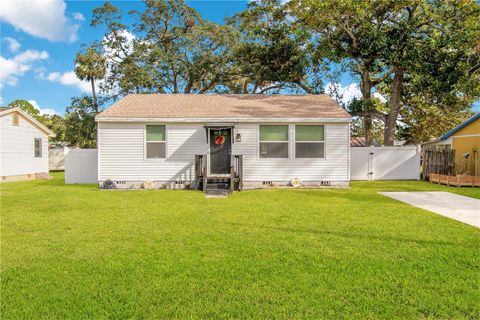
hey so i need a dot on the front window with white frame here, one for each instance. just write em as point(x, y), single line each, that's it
point(273, 141)
point(155, 141)
point(309, 141)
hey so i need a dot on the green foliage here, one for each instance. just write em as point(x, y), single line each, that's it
point(56, 123)
point(90, 65)
point(360, 107)
point(27, 107)
point(72, 251)
point(407, 50)
point(174, 50)
point(421, 55)
point(425, 122)
point(270, 53)
point(53, 122)
point(80, 122)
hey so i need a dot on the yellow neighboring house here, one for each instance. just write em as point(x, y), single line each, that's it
point(465, 140)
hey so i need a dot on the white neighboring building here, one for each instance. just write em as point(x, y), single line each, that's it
point(23, 146)
point(215, 140)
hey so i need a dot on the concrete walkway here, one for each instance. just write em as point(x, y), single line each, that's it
point(454, 206)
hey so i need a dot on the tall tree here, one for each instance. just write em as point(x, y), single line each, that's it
point(90, 66)
point(56, 123)
point(80, 126)
point(396, 41)
point(270, 55)
point(432, 48)
point(169, 49)
point(348, 32)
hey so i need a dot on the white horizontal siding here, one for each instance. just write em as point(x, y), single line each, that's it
point(334, 167)
point(121, 154)
point(17, 151)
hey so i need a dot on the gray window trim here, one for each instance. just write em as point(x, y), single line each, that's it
point(147, 142)
point(319, 141)
point(40, 153)
point(285, 141)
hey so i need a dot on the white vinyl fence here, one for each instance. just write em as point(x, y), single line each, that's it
point(81, 166)
point(366, 163)
point(56, 158)
point(385, 163)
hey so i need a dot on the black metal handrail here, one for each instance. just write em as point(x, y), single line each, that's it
point(236, 172)
point(201, 170)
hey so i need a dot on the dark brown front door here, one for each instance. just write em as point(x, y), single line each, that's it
point(220, 151)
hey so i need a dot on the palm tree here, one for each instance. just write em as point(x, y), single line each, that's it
point(90, 66)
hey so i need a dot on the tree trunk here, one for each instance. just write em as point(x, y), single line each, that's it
point(188, 87)
point(92, 81)
point(391, 119)
point(366, 89)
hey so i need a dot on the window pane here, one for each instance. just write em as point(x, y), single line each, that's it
point(309, 133)
point(156, 150)
point(273, 133)
point(155, 133)
point(273, 150)
point(38, 147)
point(309, 150)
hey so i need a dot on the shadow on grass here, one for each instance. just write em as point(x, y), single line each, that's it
point(354, 236)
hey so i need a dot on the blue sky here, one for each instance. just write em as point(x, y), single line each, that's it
point(39, 41)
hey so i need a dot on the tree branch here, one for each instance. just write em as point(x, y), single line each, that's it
point(277, 86)
point(306, 88)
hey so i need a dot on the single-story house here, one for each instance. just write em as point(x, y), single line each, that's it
point(23, 146)
point(465, 140)
point(223, 142)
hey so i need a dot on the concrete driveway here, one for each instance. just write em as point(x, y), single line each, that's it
point(454, 206)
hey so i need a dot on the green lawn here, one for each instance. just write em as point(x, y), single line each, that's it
point(70, 252)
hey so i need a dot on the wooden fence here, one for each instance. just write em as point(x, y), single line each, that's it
point(440, 162)
point(462, 180)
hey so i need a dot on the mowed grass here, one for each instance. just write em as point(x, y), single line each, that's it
point(74, 252)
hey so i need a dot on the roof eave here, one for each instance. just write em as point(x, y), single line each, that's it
point(35, 122)
point(231, 119)
point(464, 124)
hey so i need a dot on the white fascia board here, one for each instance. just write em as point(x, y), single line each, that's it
point(28, 117)
point(235, 120)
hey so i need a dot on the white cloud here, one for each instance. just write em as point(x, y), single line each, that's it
point(13, 44)
point(49, 111)
point(351, 91)
point(44, 19)
point(30, 56)
point(11, 69)
point(68, 78)
point(78, 16)
point(379, 97)
point(118, 53)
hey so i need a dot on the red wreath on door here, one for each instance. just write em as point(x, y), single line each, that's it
point(219, 140)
